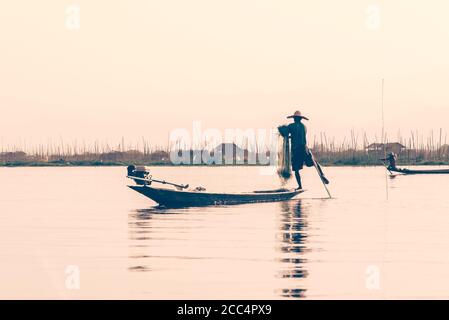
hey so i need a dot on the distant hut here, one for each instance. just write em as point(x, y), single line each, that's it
point(379, 149)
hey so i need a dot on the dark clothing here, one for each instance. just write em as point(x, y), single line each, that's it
point(391, 158)
point(298, 132)
point(298, 157)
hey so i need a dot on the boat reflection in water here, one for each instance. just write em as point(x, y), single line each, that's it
point(220, 252)
point(292, 245)
point(139, 232)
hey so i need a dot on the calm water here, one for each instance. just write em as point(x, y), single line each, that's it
point(359, 245)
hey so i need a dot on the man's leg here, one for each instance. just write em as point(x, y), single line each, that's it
point(298, 179)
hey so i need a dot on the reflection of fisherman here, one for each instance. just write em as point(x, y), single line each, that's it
point(391, 158)
point(298, 135)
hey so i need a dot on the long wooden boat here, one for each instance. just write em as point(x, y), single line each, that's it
point(408, 171)
point(180, 198)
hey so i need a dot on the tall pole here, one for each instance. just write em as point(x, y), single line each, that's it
point(384, 142)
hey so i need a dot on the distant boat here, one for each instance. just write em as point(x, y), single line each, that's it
point(407, 171)
point(392, 158)
point(180, 198)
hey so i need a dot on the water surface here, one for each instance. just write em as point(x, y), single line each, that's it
point(358, 245)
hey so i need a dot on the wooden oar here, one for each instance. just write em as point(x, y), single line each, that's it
point(323, 178)
point(386, 167)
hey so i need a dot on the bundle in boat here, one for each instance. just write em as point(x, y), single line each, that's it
point(284, 159)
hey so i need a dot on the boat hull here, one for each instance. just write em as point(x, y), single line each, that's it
point(407, 171)
point(174, 198)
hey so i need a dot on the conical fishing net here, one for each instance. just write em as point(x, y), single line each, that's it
point(284, 159)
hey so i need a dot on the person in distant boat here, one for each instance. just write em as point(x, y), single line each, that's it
point(298, 135)
point(391, 158)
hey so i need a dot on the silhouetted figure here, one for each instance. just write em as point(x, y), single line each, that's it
point(298, 135)
point(391, 158)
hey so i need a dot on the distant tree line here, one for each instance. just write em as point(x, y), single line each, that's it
point(353, 151)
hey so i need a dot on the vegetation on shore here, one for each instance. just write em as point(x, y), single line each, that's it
point(348, 163)
point(356, 151)
point(339, 160)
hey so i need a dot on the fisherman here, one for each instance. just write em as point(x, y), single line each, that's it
point(298, 135)
point(391, 158)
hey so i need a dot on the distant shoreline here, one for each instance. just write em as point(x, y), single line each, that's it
point(20, 164)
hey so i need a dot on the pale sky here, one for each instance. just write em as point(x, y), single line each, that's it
point(141, 68)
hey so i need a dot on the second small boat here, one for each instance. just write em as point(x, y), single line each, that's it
point(409, 171)
point(392, 158)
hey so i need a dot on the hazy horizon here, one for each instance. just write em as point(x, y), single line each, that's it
point(141, 69)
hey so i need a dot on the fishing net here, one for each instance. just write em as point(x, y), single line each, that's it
point(284, 159)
